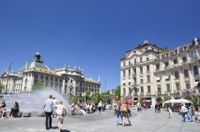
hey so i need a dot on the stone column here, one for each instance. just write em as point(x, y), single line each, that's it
point(63, 86)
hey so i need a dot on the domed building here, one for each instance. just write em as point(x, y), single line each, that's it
point(66, 80)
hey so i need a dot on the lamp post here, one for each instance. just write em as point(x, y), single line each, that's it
point(197, 93)
point(169, 96)
point(181, 94)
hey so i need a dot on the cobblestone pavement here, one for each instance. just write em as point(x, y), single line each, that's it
point(146, 121)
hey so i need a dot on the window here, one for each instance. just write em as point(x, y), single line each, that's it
point(184, 59)
point(175, 61)
point(166, 64)
point(135, 71)
point(124, 73)
point(195, 70)
point(168, 87)
point(141, 69)
point(167, 54)
point(135, 62)
point(141, 80)
point(129, 72)
point(194, 55)
point(148, 68)
point(159, 90)
point(157, 66)
point(142, 90)
point(140, 59)
point(124, 64)
point(177, 86)
point(135, 81)
point(176, 74)
point(148, 78)
point(146, 48)
point(149, 89)
point(186, 72)
point(147, 58)
point(187, 86)
point(124, 91)
point(129, 90)
point(129, 62)
point(175, 52)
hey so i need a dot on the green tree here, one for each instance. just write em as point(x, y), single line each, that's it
point(141, 100)
point(117, 93)
point(74, 98)
point(166, 98)
point(38, 85)
point(97, 97)
point(195, 99)
point(1, 87)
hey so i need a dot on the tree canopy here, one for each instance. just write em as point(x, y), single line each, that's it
point(1, 87)
point(117, 93)
point(38, 85)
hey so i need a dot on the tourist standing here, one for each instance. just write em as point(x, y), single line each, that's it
point(99, 106)
point(14, 110)
point(49, 111)
point(125, 113)
point(60, 116)
point(3, 108)
point(54, 102)
point(170, 112)
point(138, 106)
point(119, 113)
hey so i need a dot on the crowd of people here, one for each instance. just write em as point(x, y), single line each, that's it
point(86, 108)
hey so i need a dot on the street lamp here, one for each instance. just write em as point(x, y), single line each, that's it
point(169, 96)
point(197, 93)
point(181, 94)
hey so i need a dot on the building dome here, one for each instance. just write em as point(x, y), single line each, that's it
point(36, 63)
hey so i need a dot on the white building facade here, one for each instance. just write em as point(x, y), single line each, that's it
point(152, 73)
point(66, 80)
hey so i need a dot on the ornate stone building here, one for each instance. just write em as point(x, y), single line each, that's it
point(65, 80)
point(152, 73)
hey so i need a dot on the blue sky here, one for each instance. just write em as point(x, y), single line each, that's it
point(92, 34)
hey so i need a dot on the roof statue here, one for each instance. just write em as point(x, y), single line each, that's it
point(195, 41)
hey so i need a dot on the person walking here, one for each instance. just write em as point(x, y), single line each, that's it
point(60, 116)
point(14, 110)
point(119, 113)
point(125, 113)
point(99, 106)
point(49, 111)
point(183, 111)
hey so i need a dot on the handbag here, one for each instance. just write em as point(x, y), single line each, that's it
point(64, 112)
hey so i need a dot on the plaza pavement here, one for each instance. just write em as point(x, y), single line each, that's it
point(146, 121)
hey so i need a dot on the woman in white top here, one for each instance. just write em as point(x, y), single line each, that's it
point(99, 106)
point(60, 117)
